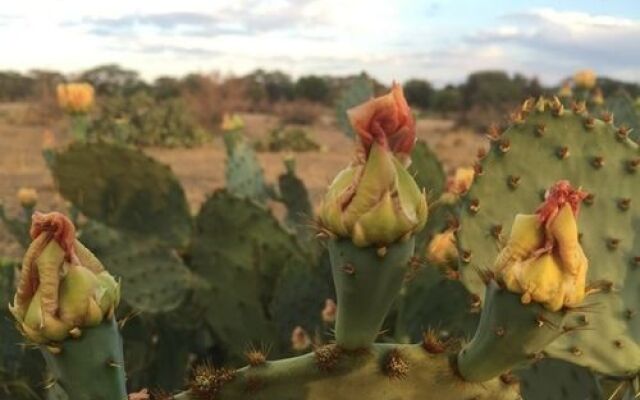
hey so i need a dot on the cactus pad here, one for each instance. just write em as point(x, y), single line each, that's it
point(240, 249)
point(244, 175)
point(124, 189)
point(358, 92)
point(546, 144)
point(154, 279)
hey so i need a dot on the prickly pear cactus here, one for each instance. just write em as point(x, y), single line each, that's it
point(358, 92)
point(427, 170)
point(251, 250)
point(625, 113)
point(154, 278)
point(244, 176)
point(20, 369)
point(546, 143)
point(558, 380)
point(433, 301)
point(295, 196)
point(300, 297)
point(124, 189)
point(65, 302)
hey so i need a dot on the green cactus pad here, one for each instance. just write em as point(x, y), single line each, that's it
point(124, 189)
point(509, 334)
point(157, 353)
point(18, 227)
point(427, 171)
point(90, 367)
point(550, 379)
point(528, 158)
point(367, 283)
point(240, 249)
point(154, 278)
point(624, 111)
point(300, 297)
point(244, 176)
point(359, 91)
point(432, 301)
point(295, 197)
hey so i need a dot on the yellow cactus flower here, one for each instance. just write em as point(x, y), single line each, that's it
point(375, 201)
point(75, 98)
point(28, 197)
point(231, 122)
point(60, 289)
point(585, 79)
point(442, 248)
point(461, 181)
point(597, 98)
point(543, 259)
point(565, 90)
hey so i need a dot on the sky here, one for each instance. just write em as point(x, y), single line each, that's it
point(442, 41)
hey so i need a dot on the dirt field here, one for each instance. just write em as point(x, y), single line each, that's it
point(201, 170)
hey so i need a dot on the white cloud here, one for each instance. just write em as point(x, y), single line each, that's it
point(554, 43)
point(310, 36)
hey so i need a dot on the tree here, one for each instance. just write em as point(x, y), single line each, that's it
point(111, 79)
point(313, 88)
point(419, 93)
point(447, 100)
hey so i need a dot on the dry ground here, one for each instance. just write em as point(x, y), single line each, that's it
point(201, 170)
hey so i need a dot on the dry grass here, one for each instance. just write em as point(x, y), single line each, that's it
point(201, 170)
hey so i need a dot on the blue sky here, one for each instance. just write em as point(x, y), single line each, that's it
point(438, 40)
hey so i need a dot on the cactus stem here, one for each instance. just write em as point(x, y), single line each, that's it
point(506, 336)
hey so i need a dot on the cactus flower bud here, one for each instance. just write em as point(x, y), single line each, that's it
point(461, 181)
point(329, 311)
point(28, 197)
point(597, 98)
point(231, 122)
point(61, 287)
point(442, 248)
point(565, 90)
point(300, 340)
point(543, 259)
point(375, 201)
point(585, 79)
point(75, 98)
point(141, 395)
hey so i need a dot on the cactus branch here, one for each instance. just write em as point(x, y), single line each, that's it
point(382, 372)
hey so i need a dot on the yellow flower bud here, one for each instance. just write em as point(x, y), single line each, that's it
point(442, 248)
point(597, 97)
point(585, 79)
point(231, 122)
point(75, 98)
point(376, 203)
point(543, 259)
point(56, 294)
point(28, 197)
point(565, 90)
point(461, 181)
